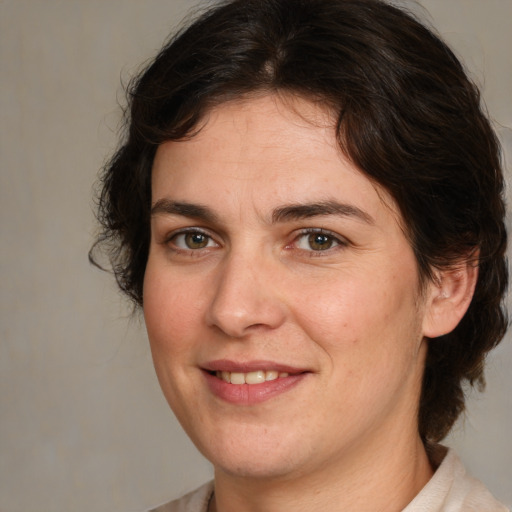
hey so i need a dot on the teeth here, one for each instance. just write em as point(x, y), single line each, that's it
point(237, 378)
point(271, 375)
point(251, 377)
point(255, 377)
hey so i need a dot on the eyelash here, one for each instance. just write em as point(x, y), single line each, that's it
point(328, 236)
point(171, 240)
point(332, 237)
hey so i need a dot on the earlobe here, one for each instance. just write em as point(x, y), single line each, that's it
point(449, 297)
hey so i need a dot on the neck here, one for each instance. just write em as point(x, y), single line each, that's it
point(365, 480)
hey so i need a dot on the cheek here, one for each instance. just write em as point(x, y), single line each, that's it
point(342, 306)
point(171, 311)
point(364, 315)
point(171, 315)
point(371, 336)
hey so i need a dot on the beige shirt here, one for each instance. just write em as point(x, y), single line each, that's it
point(451, 489)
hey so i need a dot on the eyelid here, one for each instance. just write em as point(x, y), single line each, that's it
point(168, 240)
point(340, 240)
point(336, 237)
point(188, 229)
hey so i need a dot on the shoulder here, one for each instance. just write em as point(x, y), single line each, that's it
point(195, 501)
point(451, 489)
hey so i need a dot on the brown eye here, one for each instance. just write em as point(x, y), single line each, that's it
point(192, 240)
point(317, 241)
point(320, 241)
point(196, 240)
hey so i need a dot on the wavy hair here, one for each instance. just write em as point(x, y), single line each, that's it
point(407, 116)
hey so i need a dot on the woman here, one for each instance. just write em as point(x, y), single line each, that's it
point(308, 208)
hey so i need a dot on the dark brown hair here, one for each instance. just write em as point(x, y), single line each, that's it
point(408, 117)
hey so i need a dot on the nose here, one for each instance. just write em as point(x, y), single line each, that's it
point(246, 297)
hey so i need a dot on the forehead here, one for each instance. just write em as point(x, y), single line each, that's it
point(262, 151)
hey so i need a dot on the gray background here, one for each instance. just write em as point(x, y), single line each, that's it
point(83, 425)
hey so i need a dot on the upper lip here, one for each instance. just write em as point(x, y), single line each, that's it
point(227, 365)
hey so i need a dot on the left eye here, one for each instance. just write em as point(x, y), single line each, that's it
point(193, 240)
point(316, 242)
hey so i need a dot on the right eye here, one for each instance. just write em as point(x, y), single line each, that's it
point(192, 240)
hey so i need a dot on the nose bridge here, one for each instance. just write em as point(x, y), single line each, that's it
point(245, 297)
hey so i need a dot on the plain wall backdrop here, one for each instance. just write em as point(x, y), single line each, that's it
point(83, 425)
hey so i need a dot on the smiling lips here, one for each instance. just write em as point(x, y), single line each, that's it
point(252, 383)
point(256, 377)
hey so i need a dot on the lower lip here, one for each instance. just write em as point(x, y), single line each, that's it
point(249, 394)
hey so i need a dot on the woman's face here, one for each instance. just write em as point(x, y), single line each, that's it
point(281, 296)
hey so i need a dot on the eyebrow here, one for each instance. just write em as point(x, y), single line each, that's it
point(195, 211)
point(281, 214)
point(305, 211)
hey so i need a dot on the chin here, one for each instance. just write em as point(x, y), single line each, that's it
point(260, 455)
point(264, 468)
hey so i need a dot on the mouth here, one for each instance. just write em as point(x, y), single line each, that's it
point(251, 378)
point(251, 383)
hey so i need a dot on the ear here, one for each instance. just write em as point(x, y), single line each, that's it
point(449, 296)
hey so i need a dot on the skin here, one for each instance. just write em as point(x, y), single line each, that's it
point(349, 310)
